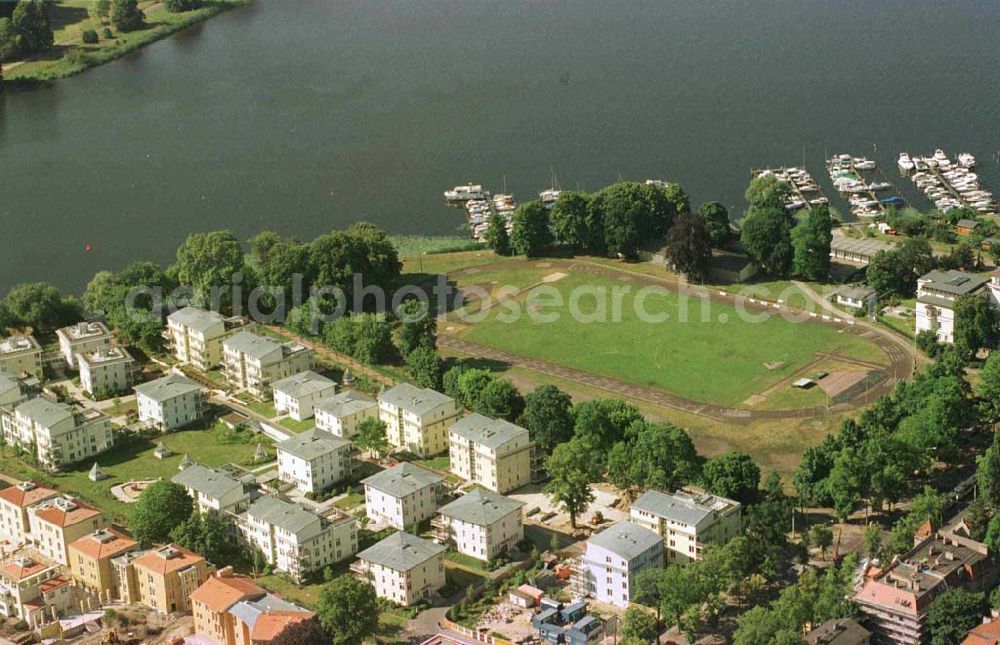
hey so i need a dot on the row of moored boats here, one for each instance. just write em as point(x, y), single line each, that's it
point(948, 184)
point(805, 191)
point(862, 194)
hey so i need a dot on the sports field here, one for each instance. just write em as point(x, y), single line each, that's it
point(714, 356)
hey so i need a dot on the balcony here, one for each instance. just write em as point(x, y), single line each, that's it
point(360, 569)
point(440, 529)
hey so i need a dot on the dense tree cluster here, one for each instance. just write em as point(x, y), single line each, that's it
point(40, 306)
point(894, 273)
point(481, 391)
point(124, 299)
point(126, 15)
point(348, 610)
point(162, 506)
point(873, 459)
point(27, 32)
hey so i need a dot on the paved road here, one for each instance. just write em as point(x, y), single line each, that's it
point(899, 354)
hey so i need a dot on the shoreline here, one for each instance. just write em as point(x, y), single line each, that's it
point(78, 58)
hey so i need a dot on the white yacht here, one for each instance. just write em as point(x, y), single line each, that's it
point(966, 160)
point(549, 196)
point(464, 193)
point(905, 163)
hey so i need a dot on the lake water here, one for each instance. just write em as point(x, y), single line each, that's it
point(301, 116)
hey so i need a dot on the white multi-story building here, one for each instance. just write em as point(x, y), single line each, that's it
point(493, 453)
point(214, 489)
point(403, 568)
point(296, 541)
point(314, 460)
point(686, 522)
point(417, 419)
point(254, 363)
point(481, 524)
point(171, 402)
point(937, 293)
point(83, 338)
point(613, 558)
point(12, 392)
point(341, 413)
point(14, 503)
point(402, 496)
point(61, 435)
point(21, 355)
point(297, 394)
point(106, 371)
point(196, 336)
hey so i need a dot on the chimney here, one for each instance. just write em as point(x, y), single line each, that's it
point(224, 572)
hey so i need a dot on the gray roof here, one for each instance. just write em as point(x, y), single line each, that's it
point(168, 387)
point(488, 432)
point(626, 540)
point(252, 345)
point(682, 507)
point(312, 444)
point(953, 282)
point(345, 403)
point(856, 292)
point(401, 551)
point(195, 318)
point(249, 611)
point(863, 247)
point(416, 400)
point(210, 482)
point(285, 515)
point(303, 384)
point(840, 631)
point(480, 507)
point(967, 223)
point(19, 344)
point(403, 479)
point(8, 383)
point(44, 412)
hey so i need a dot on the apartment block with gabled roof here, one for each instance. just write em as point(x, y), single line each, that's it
point(15, 501)
point(168, 575)
point(341, 413)
point(297, 394)
point(687, 521)
point(481, 524)
point(58, 522)
point(493, 453)
point(403, 568)
point(937, 293)
point(402, 496)
point(255, 363)
point(314, 460)
point(170, 403)
point(417, 419)
point(196, 335)
point(90, 559)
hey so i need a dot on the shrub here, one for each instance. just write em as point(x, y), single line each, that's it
point(107, 33)
point(90, 36)
point(177, 6)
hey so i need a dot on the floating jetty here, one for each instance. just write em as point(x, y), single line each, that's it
point(947, 184)
point(858, 179)
point(806, 193)
point(480, 206)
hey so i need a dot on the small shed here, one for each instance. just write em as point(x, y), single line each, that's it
point(162, 452)
point(966, 226)
point(185, 463)
point(526, 596)
point(803, 383)
point(855, 297)
point(990, 243)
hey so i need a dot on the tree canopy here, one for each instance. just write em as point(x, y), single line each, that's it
point(348, 610)
point(531, 233)
point(766, 234)
point(689, 246)
point(733, 475)
point(811, 240)
point(548, 416)
point(161, 507)
point(571, 470)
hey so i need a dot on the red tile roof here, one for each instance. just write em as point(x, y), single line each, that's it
point(155, 560)
point(92, 546)
point(17, 572)
point(221, 593)
point(985, 634)
point(54, 583)
point(22, 498)
point(270, 625)
point(54, 514)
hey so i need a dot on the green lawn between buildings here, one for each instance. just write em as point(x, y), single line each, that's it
point(727, 357)
point(133, 460)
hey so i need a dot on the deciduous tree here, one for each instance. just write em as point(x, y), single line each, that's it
point(689, 247)
point(548, 416)
point(571, 469)
point(811, 240)
point(162, 506)
point(766, 236)
point(733, 475)
point(530, 234)
point(720, 230)
point(348, 610)
point(126, 15)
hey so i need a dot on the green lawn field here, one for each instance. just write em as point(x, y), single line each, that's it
point(714, 361)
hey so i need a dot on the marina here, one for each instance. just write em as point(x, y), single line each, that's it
point(481, 205)
point(806, 193)
point(864, 187)
point(948, 184)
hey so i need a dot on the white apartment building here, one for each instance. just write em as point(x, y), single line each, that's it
point(493, 453)
point(62, 435)
point(109, 370)
point(341, 413)
point(481, 524)
point(314, 460)
point(214, 489)
point(11, 393)
point(937, 293)
point(613, 558)
point(686, 521)
point(403, 568)
point(21, 355)
point(402, 496)
point(83, 338)
point(171, 402)
point(14, 503)
point(417, 419)
point(254, 363)
point(196, 336)
point(296, 541)
point(297, 394)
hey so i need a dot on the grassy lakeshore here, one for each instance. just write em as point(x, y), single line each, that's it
point(71, 56)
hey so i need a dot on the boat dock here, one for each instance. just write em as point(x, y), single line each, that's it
point(862, 193)
point(806, 193)
point(480, 206)
point(947, 184)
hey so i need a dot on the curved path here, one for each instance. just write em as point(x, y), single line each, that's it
point(900, 367)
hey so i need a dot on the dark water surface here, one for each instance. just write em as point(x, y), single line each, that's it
point(302, 116)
